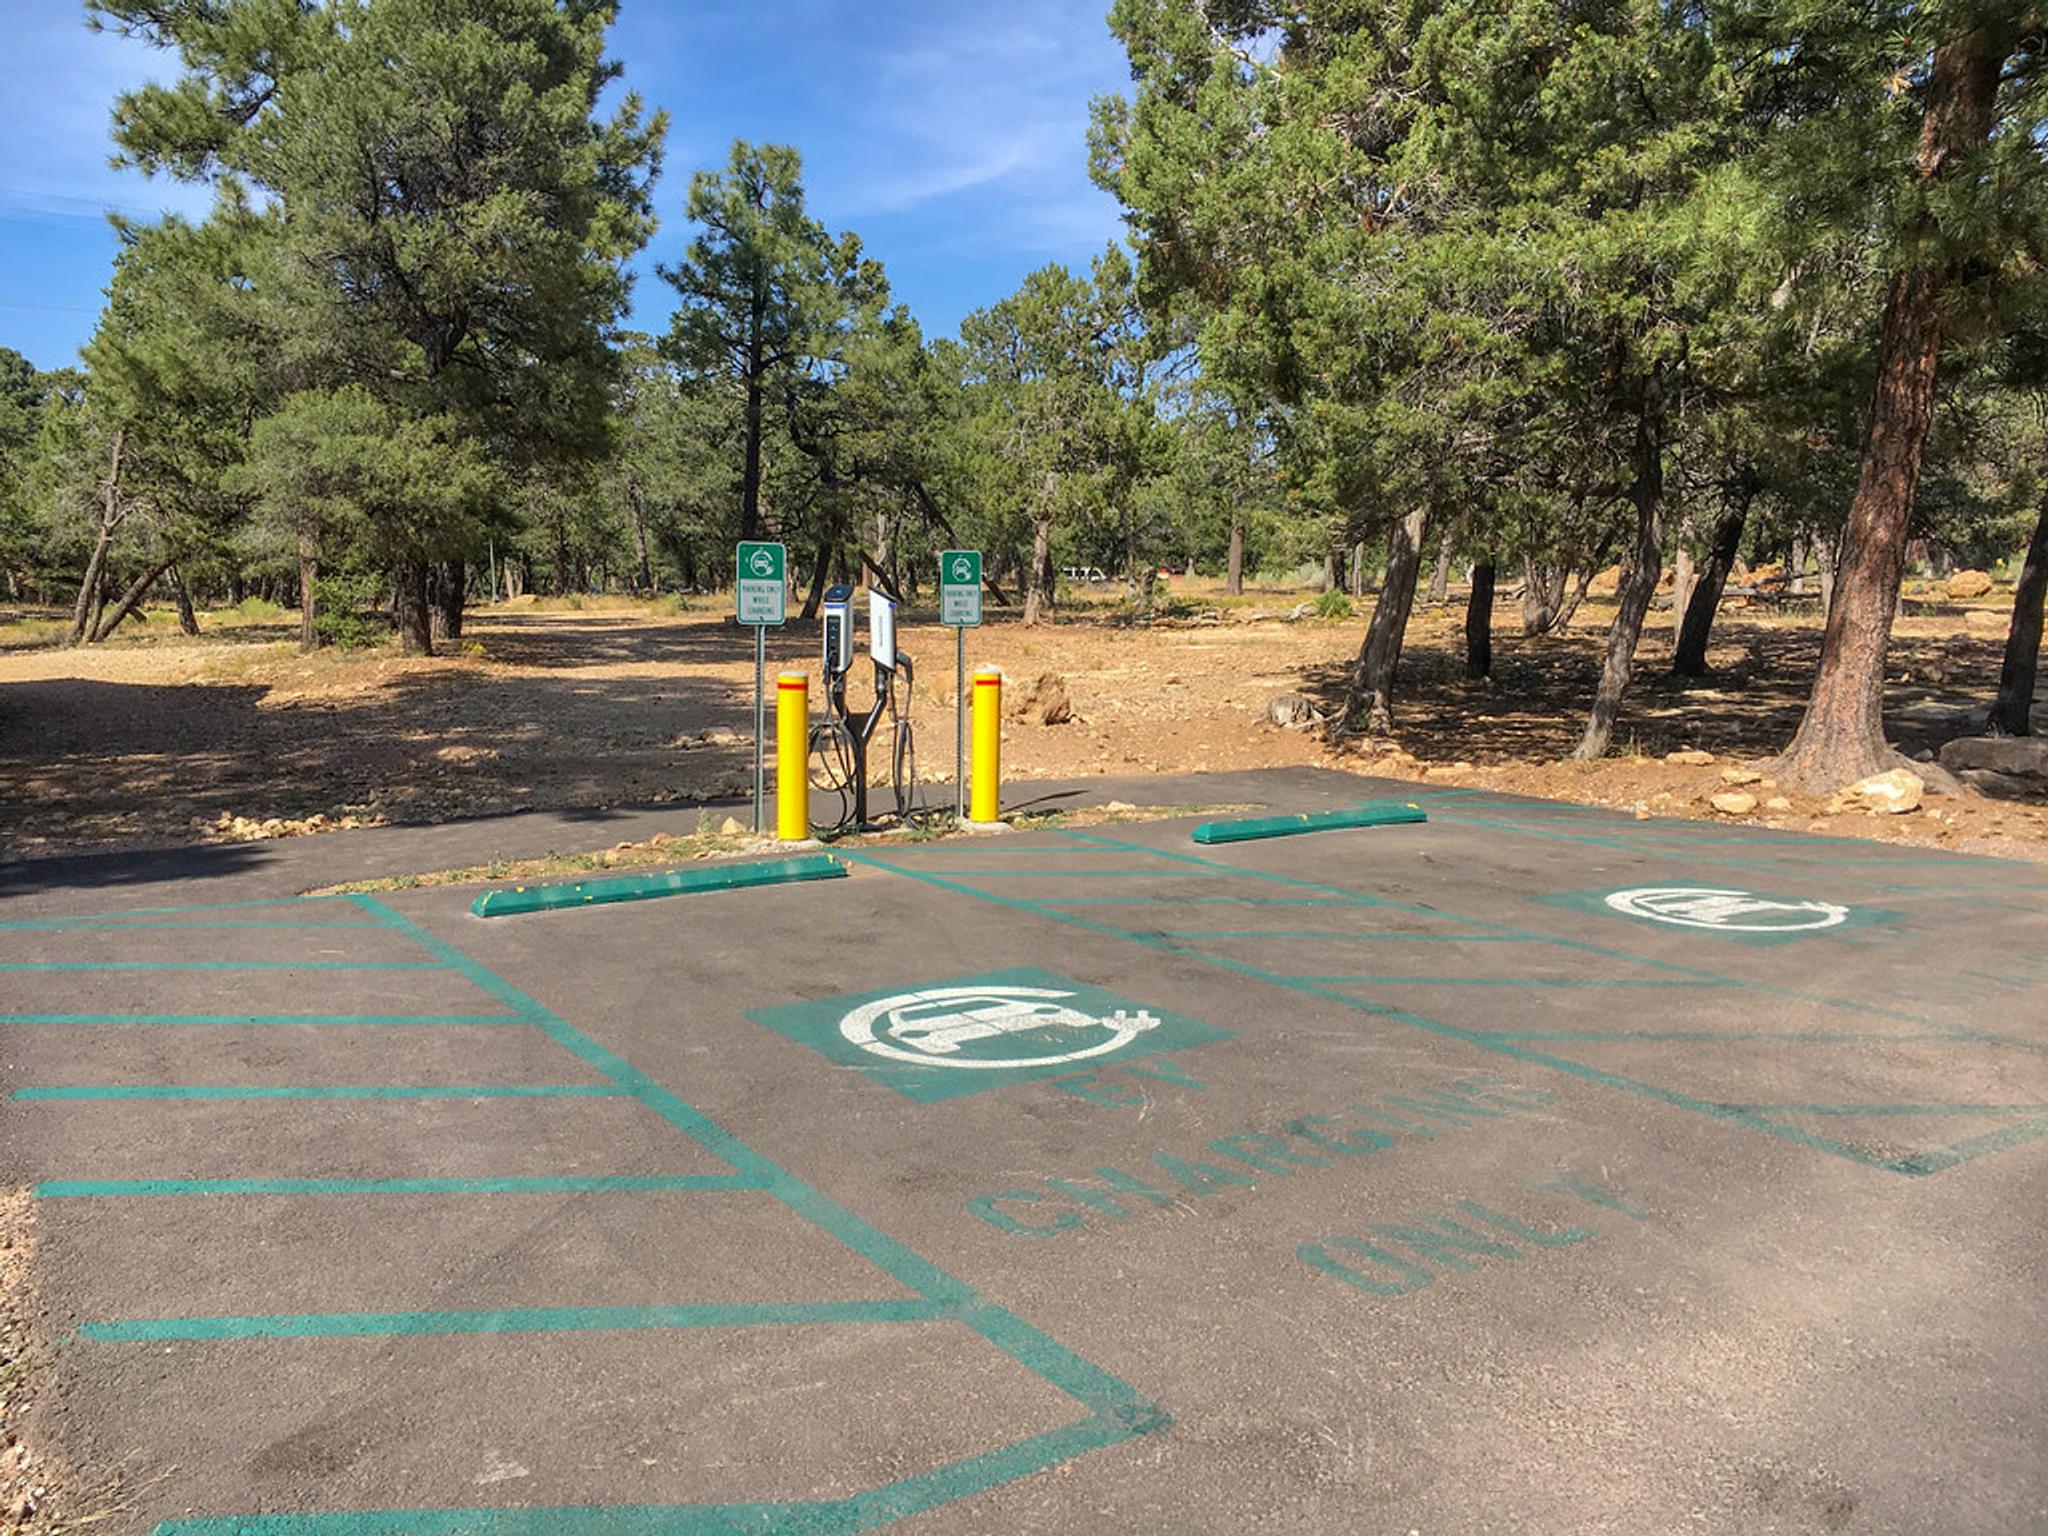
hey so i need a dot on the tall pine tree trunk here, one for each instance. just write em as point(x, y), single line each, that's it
point(130, 599)
point(85, 617)
point(750, 473)
point(1542, 590)
point(188, 621)
point(1570, 603)
point(1038, 575)
point(821, 576)
point(1639, 573)
point(415, 622)
point(1372, 679)
point(643, 571)
point(309, 598)
point(1841, 737)
point(2013, 714)
point(1689, 659)
point(1682, 577)
point(1233, 569)
point(451, 590)
point(1479, 621)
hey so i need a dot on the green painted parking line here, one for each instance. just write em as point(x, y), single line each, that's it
point(1034, 874)
point(1513, 981)
point(1896, 1109)
point(1088, 1384)
point(116, 919)
point(1783, 1037)
point(221, 965)
point(1115, 1410)
point(1433, 1026)
point(1574, 946)
point(1217, 901)
point(326, 1091)
point(359, 1325)
point(1027, 850)
point(1960, 1152)
point(547, 1184)
point(1509, 1047)
point(1342, 937)
point(74, 924)
point(346, 1020)
point(824, 1517)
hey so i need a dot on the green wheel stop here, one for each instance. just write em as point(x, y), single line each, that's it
point(672, 882)
point(1375, 813)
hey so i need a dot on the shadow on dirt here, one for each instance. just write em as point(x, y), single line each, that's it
point(86, 760)
point(1534, 706)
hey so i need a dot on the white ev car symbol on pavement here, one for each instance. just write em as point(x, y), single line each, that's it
point(929, 1027)
point(1725, 911)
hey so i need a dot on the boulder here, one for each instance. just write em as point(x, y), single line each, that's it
point(1733, 802)
point(1735, 775)
point(1893, 793)
point(1983, 621)
point(1294, 711)
point(2024, 756)
point(1777, 803)
point(1691, 757)
point(1045, 701)
point(2003, 786)
point(1969, 584)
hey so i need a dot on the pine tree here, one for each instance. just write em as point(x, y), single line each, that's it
point(454, 215)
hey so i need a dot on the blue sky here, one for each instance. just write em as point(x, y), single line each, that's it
point(949, 134)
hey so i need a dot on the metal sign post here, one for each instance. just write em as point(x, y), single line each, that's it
point(760, 597)
point(960, 609)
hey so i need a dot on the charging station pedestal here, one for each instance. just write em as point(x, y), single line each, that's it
point(837, 658)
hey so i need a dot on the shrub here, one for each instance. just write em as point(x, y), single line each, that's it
point(345, 610)
point(258, 610)
point(1333, 605)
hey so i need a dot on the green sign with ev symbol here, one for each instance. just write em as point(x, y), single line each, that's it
point(941, 1039)
point(759, 588)
point(960, 588)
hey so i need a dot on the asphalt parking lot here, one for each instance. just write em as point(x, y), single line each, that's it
point(1529, 1169)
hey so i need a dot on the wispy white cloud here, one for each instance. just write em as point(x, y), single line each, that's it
point(55, 116)
point(991, 99)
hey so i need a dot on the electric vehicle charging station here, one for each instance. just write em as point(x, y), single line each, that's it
point(839, 744)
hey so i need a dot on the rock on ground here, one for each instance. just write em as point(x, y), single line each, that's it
point(1969, 584)
point(2026, 756)
point(1293, 710)
point(1893, 793)
point(1734, 803)
point(1691, 757)
point(1045, 701)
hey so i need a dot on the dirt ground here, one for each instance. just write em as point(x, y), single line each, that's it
point(155, 739)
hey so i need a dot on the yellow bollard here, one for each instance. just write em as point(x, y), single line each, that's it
point(792, 756)
point(985, 803)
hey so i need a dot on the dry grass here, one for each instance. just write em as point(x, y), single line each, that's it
point(730, 840)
